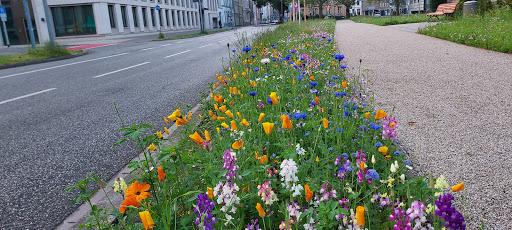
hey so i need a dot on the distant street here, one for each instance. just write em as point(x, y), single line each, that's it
point(57, 122)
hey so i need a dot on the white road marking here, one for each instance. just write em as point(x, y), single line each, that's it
point(177, 53)
point(222, 40)
point(54, 67)
point(205, 45)
point(180, 42)
point(167, 45)
point(148, 48)
point(28, 95)
point(119, 70)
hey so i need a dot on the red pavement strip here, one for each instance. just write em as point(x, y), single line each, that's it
point(89, 46)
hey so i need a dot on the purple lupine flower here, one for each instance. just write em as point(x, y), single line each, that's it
point(453, 218)
point(230, 165)
point(401, 220)
point(204, 212)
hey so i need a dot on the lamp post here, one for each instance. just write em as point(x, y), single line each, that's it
point(29, 23)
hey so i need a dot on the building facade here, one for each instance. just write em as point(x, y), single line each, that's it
point(112, 17)
point(226, 12)
point(16, 24)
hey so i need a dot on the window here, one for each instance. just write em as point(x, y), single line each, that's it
point(111, 16)
point(123, 16)
point(144, 17)
point(160, 12)
point(151, 15)
point(135, 17)
point(168, 17)
point(73, 20)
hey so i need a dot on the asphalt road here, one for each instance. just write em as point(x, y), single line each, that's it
point(57, 122)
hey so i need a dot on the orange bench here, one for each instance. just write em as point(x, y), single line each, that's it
point(444, 9)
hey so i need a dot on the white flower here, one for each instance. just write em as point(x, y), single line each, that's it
point(288, 171)
point(265, 60)
point(373, 159)
point(393, 168)
point(300, 150)
point(296, 189)
point(402, 177)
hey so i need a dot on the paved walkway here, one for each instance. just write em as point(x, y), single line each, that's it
point(460, 100)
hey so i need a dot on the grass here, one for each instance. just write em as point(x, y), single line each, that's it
point(391, 20)
point(44, 52)
point(492, 31)
point(191, 35)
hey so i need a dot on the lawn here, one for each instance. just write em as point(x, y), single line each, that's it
point(391, 20)
point(40, 53)
point(492, 31)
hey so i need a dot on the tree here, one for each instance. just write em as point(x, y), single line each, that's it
point(347, 4)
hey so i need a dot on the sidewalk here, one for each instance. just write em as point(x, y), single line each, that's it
point(457, 100)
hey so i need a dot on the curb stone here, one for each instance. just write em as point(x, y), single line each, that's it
point(81, 214)
point(44, 60)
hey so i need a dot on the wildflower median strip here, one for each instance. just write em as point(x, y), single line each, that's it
point(290, 140)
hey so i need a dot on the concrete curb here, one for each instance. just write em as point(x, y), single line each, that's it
point(43, 60)
point(81, 214)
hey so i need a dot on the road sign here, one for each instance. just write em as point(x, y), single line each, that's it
point(157, 7)
point(3, 14)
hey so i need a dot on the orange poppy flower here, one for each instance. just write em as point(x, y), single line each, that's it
point(237, 145)
point(161, 174)
point(197, 138)
point(181, 121)
point(262, 115)
point(267, 126)
point(383, 150)
point(223, 109)
point(458, 188)
point(210, 192)
point(263, 159)
point(261, 212)
point(166, 130)
point(218, 98)
point(166, 121)
point(273, 97)
point(360, 216)
point(287, 124)
point(233, 125)
point(189, 115)
point(214, 118)
point(245, 123)
point(207, 136)
point(235, 91)
point(221, 118)
point(229, 113)
point(210, 112)
point(216, 107)
point(312, 78)
point(138, 191)
point(159, 134)
point(325, 123)
point(239, 115)
point(309, 193)
point(380, 114)
point(367, 115)
point(146, 219)
point(129, 201)
point(317, 101)
point(344, 84)
point(225, 125)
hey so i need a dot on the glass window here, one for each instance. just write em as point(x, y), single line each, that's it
point(73, 20)
point(144, 17)
point(151, 15)
point(135, 19)
point(111, 16)
point(123, 16)
point(168, 18)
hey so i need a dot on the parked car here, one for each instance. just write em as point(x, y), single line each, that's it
point(376, 14)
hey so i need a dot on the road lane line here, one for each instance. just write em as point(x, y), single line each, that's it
point(177, 53)
point(54, 67)
point(205, 45)
point(119, 70)
point(28, 95)
point(180, 42)
point(148, 48)
point(167, 45)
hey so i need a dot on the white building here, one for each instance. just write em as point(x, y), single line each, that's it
point(111, 17)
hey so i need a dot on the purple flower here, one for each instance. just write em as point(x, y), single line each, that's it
point(230, 165)
point(204, 212)
point(453, 218)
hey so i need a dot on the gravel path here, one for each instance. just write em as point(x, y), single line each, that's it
point(459, 97)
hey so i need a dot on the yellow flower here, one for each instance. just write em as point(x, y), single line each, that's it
point(181, 121)
point(201, 116)
point(218, 130)
point(152, 147)
point(273, 97)
point(367, 115)
point(360, 216)
point(221, 118)
point(229, 113)
point(207, 136)
point(239, 115)
point(166, 130)
point(458, 188)
point(383, 150)
point(317, 159)
point(267, 126)
point(237, 145)
point(146, 219)
point(172, 117)
point(245, 123)
point(263, 159)
point(216, 106)
point(380, 114)
point(233, 125)
point(287, 124)
point(261, 212)
point(262, 115)
point(197, 138)
point(159, 134)
point(218, 98)
point(189, 115)
point(225, 125)
point(210, 192)
point(326, 123)
point(177, 113)
point(166, 121)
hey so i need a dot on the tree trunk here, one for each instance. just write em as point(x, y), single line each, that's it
point(347, 12)
point(320, 10)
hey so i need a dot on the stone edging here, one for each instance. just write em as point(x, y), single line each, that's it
point(43, 60)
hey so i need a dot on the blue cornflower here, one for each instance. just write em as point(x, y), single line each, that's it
point(313, 103)
point(332, 83)
point(269, 100)
point(343, 94)
point(355, 107)
point(353, 154)
point(345, 155)
point(339, 57)
point(346, 105)
point(246, 49)
point(256, 69)
point(378, 144)
point(335, 77)
point(372, 174)
point(330, 149)
point(337, 94)
point(307, 134)
point(298, 116)
point(407, 162)
point(397, 153)
point(347, 113)
point(349, 168)
point(343, 67)
point(253, 56)
point(292, 51)
point(340, 130)
point(363, 127)
point(329, 40)
point(374, 126)
point(255, 140)
point(313, 84)
point(253, 93)
point(233, 51)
